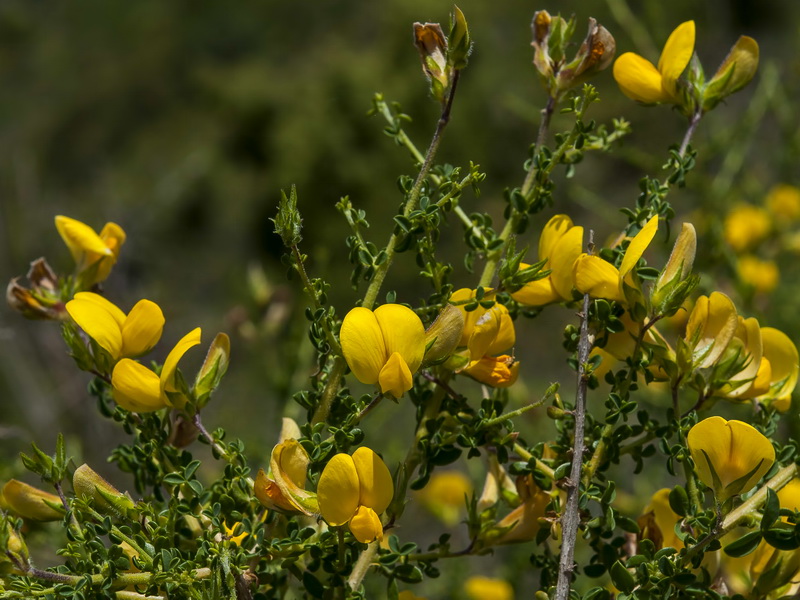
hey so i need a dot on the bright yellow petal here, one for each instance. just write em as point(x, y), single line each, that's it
point(363, 345)
point(30, 502)
point(496, 371)
point(395, 377)
point(113, 237)
point(639, 80)
point(711, 326)
point(104, 304)
point(80, 238)
point(366, 526)
point(710, 446)
point(484, 333)
point(598, 278)
point(167, 378)
point(98, 323)
point(136, 388)
point(375, 481)
point(565, 253)
point(783, 358)
point(485, 588)
point(676, 55)
point(665, 518)
point(749, 332)
point(470, 317)
point(552, 232)
point(638, 245)
point(403, 332)
point(537, 293)
point(506, 336)
point(338, 490)
point(749, 448)
point(142, 329)
point(288, 465)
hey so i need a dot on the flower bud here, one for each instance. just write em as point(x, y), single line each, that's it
point(735, 72)
point(459, 41)
point(594, 55)
point(432, 45)
point(213, 369)
point(667, 297)
point(41, 300)
point(13, 550)
point(31, 503)
point(87, 483)
point(443, 335)
point(288, 223)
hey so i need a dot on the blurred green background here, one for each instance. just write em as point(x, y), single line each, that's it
point(182, 121)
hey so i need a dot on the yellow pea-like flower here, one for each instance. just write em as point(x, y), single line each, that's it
point(658, 521)
point(487, 333)
point(445, 495)
point(384, 346)
point(118, 334)
point(746, 226)
point(29, 502)
point(560, 244)
point(729, 456)
point(782, 363)
point(138, 389)
point(712, 324)
point(94, 253)
point(356, 490)
point(479, 587)
point(762, 275)
point(640, 80)
point(284, 487)
point(601, 279)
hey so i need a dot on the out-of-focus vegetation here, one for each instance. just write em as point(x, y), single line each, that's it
point(182, 121)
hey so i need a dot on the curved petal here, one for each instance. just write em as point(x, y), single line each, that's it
point(537, 293)
point(598, 278)
point(676, 55)
point(552, 232)
point(484, 333)
point(30, 502)
point(113, 237)
point(288, 465)
point(749, 450)
point(506, 335)
point(104, 304)
point(565, 252)
point(783, 358)
point(639, 80)
point(749, 332)
point(363, 345)
point(711, 326)
point(375, 481)
point(710, 446)
point(338, 490)
point(142, 329)
point(496, 371)
point(167, 379)
point(136, 388)
point(98, 323)
point(638, 245)
point(403, 332)
point(470, 317)
point(366, 526)
point(80, 238)
point(395, 377)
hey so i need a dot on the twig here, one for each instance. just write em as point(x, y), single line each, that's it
point(362, 565)
point(570, 519)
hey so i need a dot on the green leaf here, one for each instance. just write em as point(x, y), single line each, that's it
point(772, 509)
point(679, 501)
point(622, 578)
point(744, 545)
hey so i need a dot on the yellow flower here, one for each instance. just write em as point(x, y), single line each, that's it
point(742, 362)
point(487, 332)
point(118, 334)
point(560, 245)
point(29, 502)
point(762, 275)
point(138, 389)
point(640, 80)
point(746, 226)
point(408, 595)
point(384, 347)
point(712, 324)
point(522, 524)
point(601, 279)
point(729, 456)
point(658, 521)
point(445, 495)
point(356, 490)
point(284, 488)
point(478, 587)
point(780, 358)
point(94, 254)
point(783, 201)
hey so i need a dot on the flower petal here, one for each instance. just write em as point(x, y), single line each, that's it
point(783, 358)
point(484, 332)
point(363, 345)
point(167, 379)
point(338, 490)
point(375, 481)
point(366, 526)
point(676, 55)
point(470, 317)
point(506, 335)
point(90, 313)
point(136, 388)
point(113, 237)
point(288, 465)
point(30, 502)
point(639, 80)
point(711, 326)
point(395, 377)
point(638, 245)
point(598, 278)
point(142, 329)
point(403, 332)
point(496, 371)
point(552, 232)
point(537, 293)
point(565, 252)
point(749, 449)
point(80, 238)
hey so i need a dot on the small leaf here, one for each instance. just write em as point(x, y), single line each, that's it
point(622, 578)
point(744, 545)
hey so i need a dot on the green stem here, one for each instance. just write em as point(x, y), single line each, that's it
point(315, 301)
point(540, 466)
point(329, 392)
point(381, 270)
point(362, 565)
